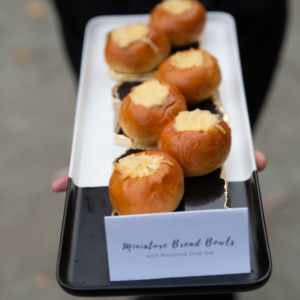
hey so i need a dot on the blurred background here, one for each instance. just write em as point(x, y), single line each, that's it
point(37, 107)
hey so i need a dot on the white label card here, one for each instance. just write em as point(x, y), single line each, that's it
point(180, 244)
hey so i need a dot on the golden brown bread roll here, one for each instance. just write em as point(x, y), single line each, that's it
point(194, 72)
point(147, 109)
point(199, 140)
point(136, 48)
point(146, 182)
point(182, 21)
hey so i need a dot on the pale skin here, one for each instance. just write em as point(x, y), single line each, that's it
point(61, 183)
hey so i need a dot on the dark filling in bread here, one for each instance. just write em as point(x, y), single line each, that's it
point(207, 105)
point(129, 152)
point(125, 88)
point(185, 47)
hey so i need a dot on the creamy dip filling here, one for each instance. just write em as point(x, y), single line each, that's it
point(139, 166)
point(150, 93)
point(187, 59)
point(176, 7)
point(197, 120)
point(124, 36)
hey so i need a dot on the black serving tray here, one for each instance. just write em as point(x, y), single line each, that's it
point(82, 267)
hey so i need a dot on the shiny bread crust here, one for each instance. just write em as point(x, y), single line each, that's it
point(183, 29)
point(144, 124)
point(198, 152)
point(159, 192)
point(195, 83)
point(138, 57)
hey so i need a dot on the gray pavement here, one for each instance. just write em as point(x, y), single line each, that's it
point(37, 106)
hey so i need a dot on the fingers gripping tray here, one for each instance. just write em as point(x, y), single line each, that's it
point(83, 267)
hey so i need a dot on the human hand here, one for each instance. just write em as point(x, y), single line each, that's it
point(61, 183)
point(260, 159)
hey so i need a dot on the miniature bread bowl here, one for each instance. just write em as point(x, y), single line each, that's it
point(146, 182)
point(199, 140)
point(136, 48)
point(194, 72)
point(182, 21)
point(147, 109)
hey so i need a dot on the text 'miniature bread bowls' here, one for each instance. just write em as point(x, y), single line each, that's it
point(199, 140)
point(147, 109)
point(182, 21)
point(146, 182)
point(136, 48)
point(194, 72)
